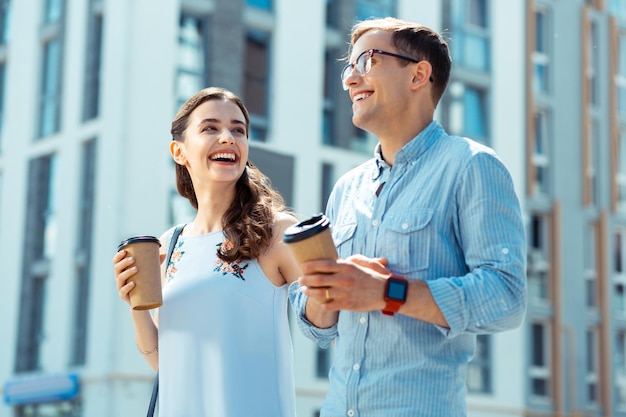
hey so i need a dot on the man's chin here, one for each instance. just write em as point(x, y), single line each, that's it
point(360, 121)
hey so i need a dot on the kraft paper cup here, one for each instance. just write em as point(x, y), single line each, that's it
point(147, 293)
point(311, 239)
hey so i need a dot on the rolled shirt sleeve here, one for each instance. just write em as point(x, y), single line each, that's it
point(298, 300)
point(491, 297)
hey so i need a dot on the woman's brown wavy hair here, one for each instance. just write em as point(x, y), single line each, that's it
point(247, 224)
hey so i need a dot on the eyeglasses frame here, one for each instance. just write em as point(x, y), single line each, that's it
point(351, 67)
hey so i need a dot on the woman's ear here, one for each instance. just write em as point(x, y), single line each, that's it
point(178, 155)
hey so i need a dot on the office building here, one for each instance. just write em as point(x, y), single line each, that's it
point(87, 93)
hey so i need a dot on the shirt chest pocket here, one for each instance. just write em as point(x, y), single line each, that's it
point(406, 239)
point(342, 236)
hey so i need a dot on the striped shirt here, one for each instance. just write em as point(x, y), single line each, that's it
point(447, 214)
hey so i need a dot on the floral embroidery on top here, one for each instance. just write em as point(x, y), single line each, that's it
point(225, 246)
point(234, 268)
point(177, 254)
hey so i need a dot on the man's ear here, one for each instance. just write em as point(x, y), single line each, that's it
point(422, 74)
point(177, 152)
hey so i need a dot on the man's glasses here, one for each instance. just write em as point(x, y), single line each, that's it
point(363, 64)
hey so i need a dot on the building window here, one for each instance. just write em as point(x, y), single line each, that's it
point(332, 13)
point(41, 234)
point(323, 362)
point(68, 408)
point(541, 54)
point(471, 34)
point(620, 78)
point(465, 103)
point(619, 273)
point(619, 367)
point(260, 4)
point(192, 57)
point(257, 81)
point(2, 94)
point(538, 268)
point(4, 38)
point(180, 209)
point(592, 366)
point(51, 89)
point(593, 160)
point(4, 21)
point(539, 371)
point(366, 9)
point(594, 60)
point(1, 178)
point(52, 53)
point(83, 254)
point(330, 77)
point(279, 168)
point(618, 297)
point(468, 111)
point(618, 8)
point(328, 181)
point(591, 273)
point(53, 11)
point(595, 143)
point(621, 171)
point(479, 369)
point(93, 60)
point(541, 154)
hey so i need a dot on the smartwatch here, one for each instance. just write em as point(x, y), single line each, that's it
point(395, 294)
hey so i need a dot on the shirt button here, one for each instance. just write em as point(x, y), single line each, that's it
point(362, 320)
point(356, 367)
point(505, 251)
point(350, 413)
point(374, 223)
point(405, 226)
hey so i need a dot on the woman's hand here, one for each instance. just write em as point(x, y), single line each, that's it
point(124, 269)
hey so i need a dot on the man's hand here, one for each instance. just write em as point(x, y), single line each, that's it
point(355, 284)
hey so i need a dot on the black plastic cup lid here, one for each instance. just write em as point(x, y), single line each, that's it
point(136, 239)
point(306, 229)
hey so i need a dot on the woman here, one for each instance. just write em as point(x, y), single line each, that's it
point(221, 340)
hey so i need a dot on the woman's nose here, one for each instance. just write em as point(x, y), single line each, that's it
point(226, 137)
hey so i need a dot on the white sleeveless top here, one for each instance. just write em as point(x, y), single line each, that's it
point(224, 340)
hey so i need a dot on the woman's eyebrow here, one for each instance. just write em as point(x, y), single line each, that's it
point(212, 120)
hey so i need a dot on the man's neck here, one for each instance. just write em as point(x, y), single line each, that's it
point(391, 143)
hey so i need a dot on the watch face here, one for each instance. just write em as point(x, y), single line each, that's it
point(397, 290)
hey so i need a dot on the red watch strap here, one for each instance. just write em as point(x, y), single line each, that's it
point(394, 304)
point(392, 307)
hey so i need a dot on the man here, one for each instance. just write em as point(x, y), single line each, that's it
point(430, 236)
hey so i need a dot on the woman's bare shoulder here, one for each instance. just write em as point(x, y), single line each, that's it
point(283, 220)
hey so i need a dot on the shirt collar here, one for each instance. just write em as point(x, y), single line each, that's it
point(381, 165)
point(412, 150)
point(418, 145)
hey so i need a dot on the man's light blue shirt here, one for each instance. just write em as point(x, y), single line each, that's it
point(447, 214)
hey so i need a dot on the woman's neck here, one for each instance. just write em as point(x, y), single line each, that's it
point(211, 210)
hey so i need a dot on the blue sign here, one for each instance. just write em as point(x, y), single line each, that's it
point(41, 389)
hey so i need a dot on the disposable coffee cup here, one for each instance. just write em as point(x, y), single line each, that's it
point(311, 239)
point(146, 294)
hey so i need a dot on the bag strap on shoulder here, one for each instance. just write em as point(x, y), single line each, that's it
point(170, 249)
point(177, 230)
